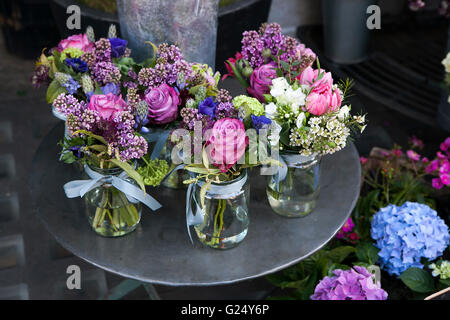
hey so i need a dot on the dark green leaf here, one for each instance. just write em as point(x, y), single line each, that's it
point(367, 252)
point(418, 280)
point(339, 254)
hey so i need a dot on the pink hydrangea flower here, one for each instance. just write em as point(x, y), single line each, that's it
point(354, 284)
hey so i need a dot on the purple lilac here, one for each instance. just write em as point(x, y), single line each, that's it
point(226, 110)
point(106, 72)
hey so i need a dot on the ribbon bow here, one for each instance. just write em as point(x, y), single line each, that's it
point(79, 188)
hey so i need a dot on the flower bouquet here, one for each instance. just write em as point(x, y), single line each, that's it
point(222, 133)
point(92, 86)
point(163, 87)
point(306, 110)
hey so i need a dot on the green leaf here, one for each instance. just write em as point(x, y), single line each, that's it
point(418, 280)
point(203, 191)
point(202, 170)
point(299, 284)
point(238, 75)
point(367, 252)
point(90, 134)
point(130, 171)
point(54, 90)
point(339, 254)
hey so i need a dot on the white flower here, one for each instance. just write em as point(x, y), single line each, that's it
point(363, 128)
point(279, 86)
point(446, 63)
point(301, 117)
point(271, 110)
point(295, 98)
point(274, 136)
point(343, 113)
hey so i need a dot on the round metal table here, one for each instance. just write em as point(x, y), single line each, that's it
point(159, 251)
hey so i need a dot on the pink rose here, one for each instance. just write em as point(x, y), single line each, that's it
point(260, 80)
point(317, 104)
point(309, 77)
point(107, 105)
point(226, 143)
point(79, 41)
point(163, 104)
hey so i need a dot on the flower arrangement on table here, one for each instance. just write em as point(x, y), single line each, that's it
point(216, 127)
point(305, 107)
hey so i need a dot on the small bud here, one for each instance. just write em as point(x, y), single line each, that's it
point(112, 32)
point(247, 72)
point(90, 34)
point(267, 53)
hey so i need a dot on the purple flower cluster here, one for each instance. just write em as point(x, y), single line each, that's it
point(68, 104)
point(354, 284)
point(106, 72)
point(169, 65)
point(118, 130)
point(226, 110)
point(40, 76)
point(406, 234)
point(270, 39)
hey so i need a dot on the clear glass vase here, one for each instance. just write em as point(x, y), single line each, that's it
point(176, 178)
point(226, 217)
point(296, 195)
point(110, 213)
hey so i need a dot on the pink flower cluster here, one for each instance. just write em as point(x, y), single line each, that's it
point(354, 284)
point(323, 98)
point(346, 232)
point(441, 166)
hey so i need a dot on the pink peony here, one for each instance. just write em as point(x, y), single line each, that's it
point(163, 104)
point(335, 101)
point(107, 105)
point(309, 77)
point(260, 81)
point(317, 104)
point(226, 143)
point(79, 41)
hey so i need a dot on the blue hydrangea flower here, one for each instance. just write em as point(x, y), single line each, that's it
point(207, 107)
point(77, 65)
point(406, 234)
point(260, 122)
point(118, 47)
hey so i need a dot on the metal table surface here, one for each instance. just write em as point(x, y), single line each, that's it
point(159, 250)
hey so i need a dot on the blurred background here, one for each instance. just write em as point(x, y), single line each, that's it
point(397, 71)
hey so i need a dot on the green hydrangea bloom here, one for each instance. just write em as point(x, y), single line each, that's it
point(153, 172)
point(71, 53)
point(441, 270)
point(251, 105)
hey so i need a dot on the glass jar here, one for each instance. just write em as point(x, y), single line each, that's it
point(295, 193)
point(110, 213)
point(176, 178)
point(225, 212)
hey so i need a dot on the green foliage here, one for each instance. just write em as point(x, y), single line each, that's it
point(303, 277)
point(154, 171)
point(418, 280)
point(367, 253)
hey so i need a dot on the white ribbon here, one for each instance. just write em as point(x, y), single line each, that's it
point(79, 188)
